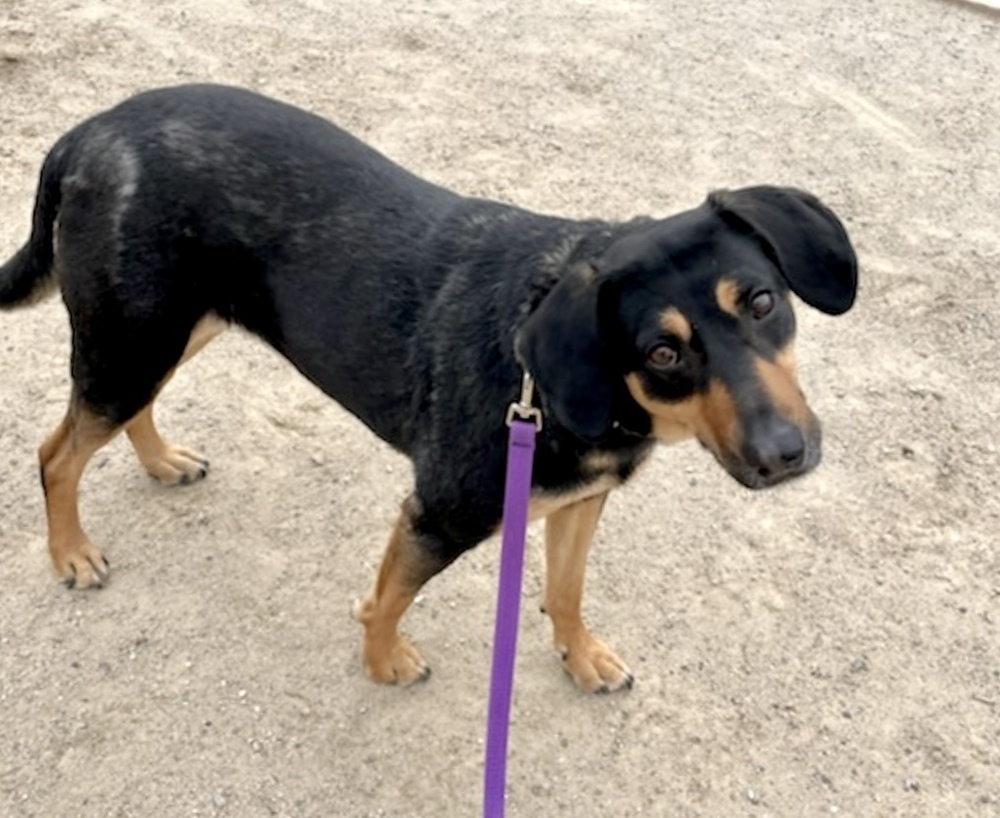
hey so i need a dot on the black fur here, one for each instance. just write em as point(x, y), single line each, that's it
point(412, 306)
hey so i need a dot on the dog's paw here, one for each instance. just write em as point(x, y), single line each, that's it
point(595, 668)
point(394, 662)
point(176, 466)
point(80, 565)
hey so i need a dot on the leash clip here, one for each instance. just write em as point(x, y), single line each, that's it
point(522, 409)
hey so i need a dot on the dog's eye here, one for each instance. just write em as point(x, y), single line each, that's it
point(761, 304)
point(662, 356)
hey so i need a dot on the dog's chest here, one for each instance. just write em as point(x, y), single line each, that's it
point(599, 472)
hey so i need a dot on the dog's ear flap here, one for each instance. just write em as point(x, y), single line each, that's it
point(806, 240)
point(560, 344)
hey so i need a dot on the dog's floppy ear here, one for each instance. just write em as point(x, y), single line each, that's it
point(560, 344)
point(807, 241)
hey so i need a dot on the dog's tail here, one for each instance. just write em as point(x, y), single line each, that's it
point(29, 276)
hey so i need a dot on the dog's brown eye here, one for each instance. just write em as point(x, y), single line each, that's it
point(762, 303)
point(662, 356)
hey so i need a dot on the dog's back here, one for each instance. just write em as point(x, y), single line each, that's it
point(198, 199)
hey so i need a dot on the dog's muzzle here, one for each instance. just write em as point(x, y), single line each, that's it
point(774, 450)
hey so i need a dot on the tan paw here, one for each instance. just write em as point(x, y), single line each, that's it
point(394, 662)
point(388, 657)
point(80, 565)
point(594, 666)
point(176, 466)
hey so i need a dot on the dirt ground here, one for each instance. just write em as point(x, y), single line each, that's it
point(829, 647)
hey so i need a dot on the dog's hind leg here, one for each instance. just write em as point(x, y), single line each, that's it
point(63, 457)
point(119, 365)
point(172, 465)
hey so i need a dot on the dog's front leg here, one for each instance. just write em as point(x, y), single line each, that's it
point(569, 532)
point(406, 565)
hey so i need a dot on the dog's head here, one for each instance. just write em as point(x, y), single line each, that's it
point(684, 328)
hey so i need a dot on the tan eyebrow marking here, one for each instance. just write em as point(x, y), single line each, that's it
point(676, 323)
point(727, 294)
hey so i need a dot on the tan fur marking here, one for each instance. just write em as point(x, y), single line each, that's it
point(711, 416)
point(569, 533)
point(727, 294)
point(721, 422)
point(676, 323)
point(63, 458)
point(208, 327)
point(778, 379)
point(542, 505)
point(785, 358)
point(388, 657)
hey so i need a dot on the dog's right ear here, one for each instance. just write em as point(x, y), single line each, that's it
point(806, 240)
point(560, 344)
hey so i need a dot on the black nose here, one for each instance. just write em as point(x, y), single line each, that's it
point(774, 447)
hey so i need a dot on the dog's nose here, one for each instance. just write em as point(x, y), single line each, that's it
point(774, 447)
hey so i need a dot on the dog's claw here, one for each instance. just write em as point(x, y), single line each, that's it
point(82, 566)
point(102, 572)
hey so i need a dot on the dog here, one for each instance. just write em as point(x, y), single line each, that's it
point(185, 210)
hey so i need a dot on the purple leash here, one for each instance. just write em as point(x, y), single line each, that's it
point(524, 422)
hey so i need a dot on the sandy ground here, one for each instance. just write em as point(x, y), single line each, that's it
point(830, 647)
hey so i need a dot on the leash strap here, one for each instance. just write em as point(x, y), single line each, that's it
point(517, 496)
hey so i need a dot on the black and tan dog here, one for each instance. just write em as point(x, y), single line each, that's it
point(187, 209)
